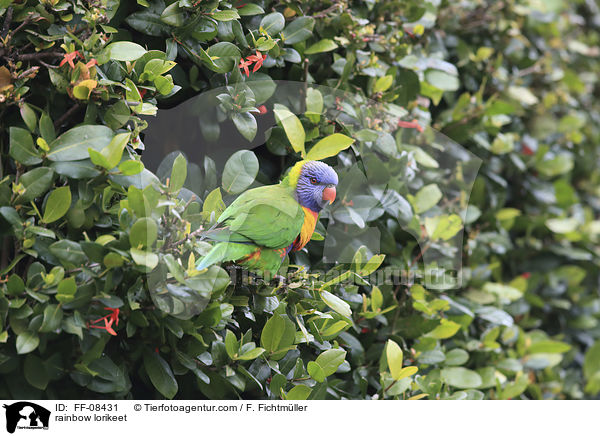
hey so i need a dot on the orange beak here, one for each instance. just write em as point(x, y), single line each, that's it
point(329, 194)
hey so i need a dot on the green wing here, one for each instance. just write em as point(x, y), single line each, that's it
point(268, 216)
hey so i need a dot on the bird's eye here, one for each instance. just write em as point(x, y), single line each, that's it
point(313, 180)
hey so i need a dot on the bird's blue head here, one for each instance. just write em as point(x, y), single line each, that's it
point(316, 183)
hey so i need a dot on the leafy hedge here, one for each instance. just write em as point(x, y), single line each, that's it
point(100, 295)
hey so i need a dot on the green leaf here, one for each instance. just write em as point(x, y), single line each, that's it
point(73, 144)
point(548, 346)
point(15, 285)
point(329, 146)
point(112, 153)
point(173, 15)
point(13, 218)
point(22, 148)
point(143, 233)
point(330, 360)
point(522, 94)
point(29, 116)
point(131, 167)
point(298, 30)
point(226, 15)
point(27, 342)
point(315, 371)
point(160, 374)
point(81, 169)
point(442, 80)
point(252, 354)
point(66, 290)
point(155, 68)
point(240, 171)
point(336, 303)
point(224, 57)
point(273, 23)
point(314, 104)
point(292, 127)
point(164, 84)
point(376, 299)
point(407, 372)
point(554, 167)
point(53, 316)
point(144, 258)
point(372, 264)
point(445, 330)
point(456, 357)
point(148, 22)
point(503, 291)
point(117, 115)
point(516, 388)
point(426, 198)
point(68, 251)
point(178, 173)
point(322, 46)
point(190, 299)
point(36, 182)
point(213, 203)
point(47, 128)
point(57, 204)
point(246, 124)
point(125, 51)
point(250, 9)
point(591, 362)
point(461, 378)
point(383, 83)
point(443, 227)
point(35, 372)
point(562, 225)
point(395, 358)
point(277, 336)
point(298, 392)
point(231, 344)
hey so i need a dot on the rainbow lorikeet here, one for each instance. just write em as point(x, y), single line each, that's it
point(264, 224)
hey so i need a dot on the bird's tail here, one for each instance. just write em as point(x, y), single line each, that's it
point(225, 252)
point(216, 254)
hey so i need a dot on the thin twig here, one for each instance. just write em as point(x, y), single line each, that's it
point(187, 238)
point(7, 21)
point(5, 252)
point(67, 114)
point(20, 26)
point(325, 12)
point(305, 84)
point(36, 56)
point(421, 253)
point(28, 72)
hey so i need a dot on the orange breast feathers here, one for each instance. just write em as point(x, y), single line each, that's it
point(308, 228)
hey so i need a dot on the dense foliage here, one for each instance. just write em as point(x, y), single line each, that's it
point(100, 294)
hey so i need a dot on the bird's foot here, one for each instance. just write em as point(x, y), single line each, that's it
point(280, 280)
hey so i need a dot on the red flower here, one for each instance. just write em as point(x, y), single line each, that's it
point(112, 317)
point(244, 64)
point(256, 59)
point(91, 63)
point(262, 109)
point(365, 330)
point(409, 33)
point(69, 57)
point(410, 125)
point(527, 151)
point(526, 275)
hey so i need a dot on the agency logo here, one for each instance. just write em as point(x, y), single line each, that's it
point(26, 415)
